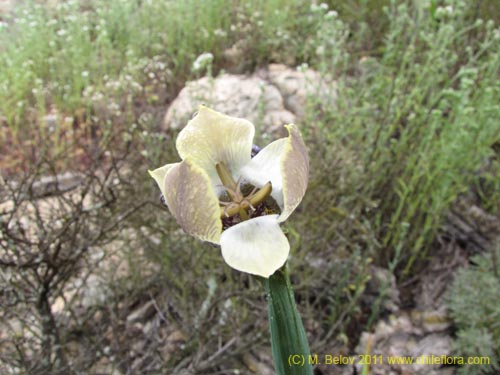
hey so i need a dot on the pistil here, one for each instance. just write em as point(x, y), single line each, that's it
point(239, 204)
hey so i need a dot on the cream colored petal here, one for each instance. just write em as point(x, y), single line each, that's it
point(256, 246)
point(265, 167)
point(159, 175)
point(286, 164)
point(211, 137)
point(191, 199)
point(294, 170)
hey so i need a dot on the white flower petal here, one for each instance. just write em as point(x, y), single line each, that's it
point(159, 175)
point(295, 171)
point(192, 200)
point(265, 167)
point(286, 164)
point(211, 137)
point(256, 246)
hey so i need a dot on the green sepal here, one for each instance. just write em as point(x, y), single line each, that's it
point(288, 337)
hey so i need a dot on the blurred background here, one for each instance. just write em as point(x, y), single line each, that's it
point(395, 247)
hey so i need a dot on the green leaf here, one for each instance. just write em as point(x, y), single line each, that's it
point(288, 338)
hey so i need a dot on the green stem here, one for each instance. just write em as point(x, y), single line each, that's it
point(291, 354)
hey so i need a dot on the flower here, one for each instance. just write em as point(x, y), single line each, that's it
point(219, 193)
point(202, 61)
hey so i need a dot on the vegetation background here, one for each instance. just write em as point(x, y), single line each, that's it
point(413, 137)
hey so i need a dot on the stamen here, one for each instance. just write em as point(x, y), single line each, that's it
point(239, 204)
point(243, 213)
point(262, 194)
point(229, 210)
point(225, 175)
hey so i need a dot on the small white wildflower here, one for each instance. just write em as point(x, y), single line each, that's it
point(136, 86)
point(114, 107)
point(202, 61)
point(331, 14)
point(320, 51)
point(27, 63)
point(33, 24)
point(3, 25)
point(323, 6)
point(151, 75)
point(85, 74)
point(61, 32)
point(85, 28)
point(98, 96)
point(51, 22)
point(443, 11)
point(260, 23)
point(220, 33)
point(303, 67)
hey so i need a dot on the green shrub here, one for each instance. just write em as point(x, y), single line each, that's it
point(473, 302)
point(409, 131)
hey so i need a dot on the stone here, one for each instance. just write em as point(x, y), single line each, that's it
point(297, 85)
point(6, 6)
point(247, 97)
point(258, 363)
point(432, 320)
point(270, 98)
point(104, 367)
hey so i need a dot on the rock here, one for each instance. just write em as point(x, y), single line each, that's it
point(104, 367)
point(95, 291)
point(234, 95)
point(432, 320)
point(259, 363)
point(6, 6)
point(173, 342)
point(296, 85)
point(401, 336)
point(269, 98)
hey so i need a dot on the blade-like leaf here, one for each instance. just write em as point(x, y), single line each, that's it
point(288, 338)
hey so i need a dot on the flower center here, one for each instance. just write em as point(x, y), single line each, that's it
point(246, 205)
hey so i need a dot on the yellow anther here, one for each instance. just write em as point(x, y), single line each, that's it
point(261, 194)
